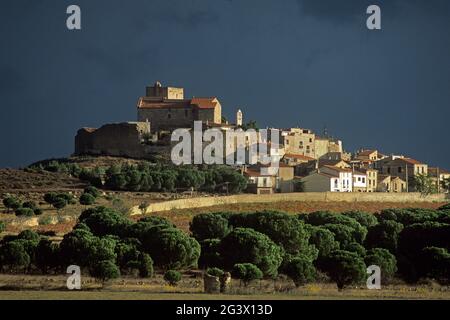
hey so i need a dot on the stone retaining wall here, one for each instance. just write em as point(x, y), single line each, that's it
point(290, 197)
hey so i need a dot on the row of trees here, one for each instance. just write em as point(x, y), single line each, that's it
point(407, 243)
point(27, 208)
point(156, 177)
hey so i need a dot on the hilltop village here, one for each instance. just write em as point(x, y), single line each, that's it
point(309, 162)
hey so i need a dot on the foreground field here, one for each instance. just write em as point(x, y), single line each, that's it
point(52, 288)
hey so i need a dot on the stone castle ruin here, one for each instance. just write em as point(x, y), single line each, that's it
point(159, 112)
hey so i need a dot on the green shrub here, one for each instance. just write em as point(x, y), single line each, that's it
point(301, 270)
point(93, 191)
point(245, 245)
point(50, 197)
point(342, 233)
point(30, 204)
point(445, 207)
point(105, 270)
point(408, 216)
point(209, 226)
point(344, 268)
point(2, 226)
point(87, 199)
point(364, 218)
point(434, 263)
point(356, 248)
point(285, 230)
point(104, 221)
point(11, 203)
point(45, 220)
point(170, 248)
point(322, 218)
point(155, 220)
point(14, 254)
point(384, 259)
point(24, 212)
point(323, 240)
point(216, 272)
point(29, 235)
point(47, 255)
point(145, 266)
point(209, 254)
point(60, 203)
point(172, 277)
point(247, 272)
point(75, 247)
point(384, 235)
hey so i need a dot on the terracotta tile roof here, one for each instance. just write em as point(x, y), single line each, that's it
point(205, 103)
point(255, 173)
point(328, 175)
point(161, 103)
point(298, 156)
point(152, 103)
point(433, 171)
point(327, 162)
point(337, 168)
point(366, 152)
point(410, 161)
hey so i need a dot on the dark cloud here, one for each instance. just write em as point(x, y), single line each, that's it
point(346, 11)
point(10, 80)
point(285, 63)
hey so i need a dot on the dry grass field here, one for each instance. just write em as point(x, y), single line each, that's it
point(53, 288)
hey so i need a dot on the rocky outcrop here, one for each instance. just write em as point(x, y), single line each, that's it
point(211, 284)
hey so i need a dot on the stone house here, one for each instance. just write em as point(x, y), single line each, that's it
point(328, 179)
point(404, 168)
point(299, 141)
point(372, 179)
point(167, 109)
point(260, 182)
point(359, 181)
point(387, 183)
point(438, 175)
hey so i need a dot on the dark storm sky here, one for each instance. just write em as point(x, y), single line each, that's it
point(286, 63)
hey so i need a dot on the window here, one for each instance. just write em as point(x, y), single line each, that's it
point(363, 180)
point(336, 183)
point(359, 179)
point(423, 170)
point(265, 182)
point(186, 113)
point(310, 139)
point(389, 170)
point(169, 116)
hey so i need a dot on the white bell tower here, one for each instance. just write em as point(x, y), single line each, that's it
point(239, 118)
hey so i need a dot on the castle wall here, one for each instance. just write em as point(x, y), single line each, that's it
point(163, 119)
point(122, 139)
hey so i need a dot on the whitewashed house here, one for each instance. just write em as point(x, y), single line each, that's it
point(328, 179)
point(359, 182)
